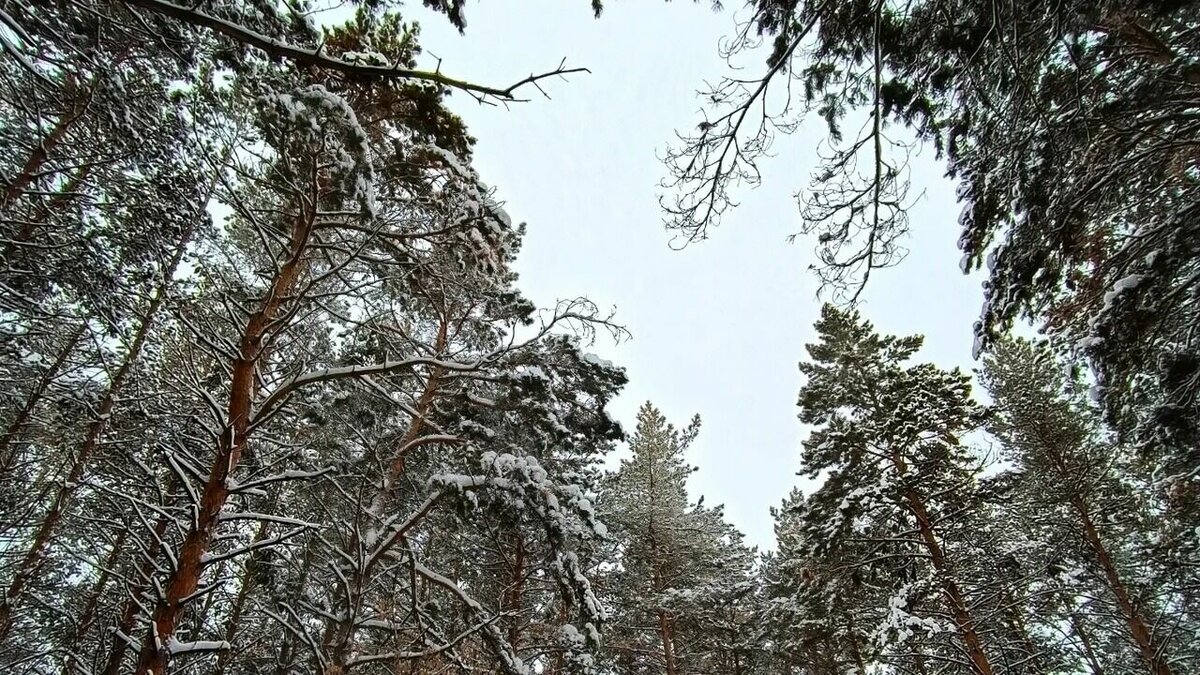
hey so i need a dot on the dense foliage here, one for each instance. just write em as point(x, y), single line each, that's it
point(273, 402)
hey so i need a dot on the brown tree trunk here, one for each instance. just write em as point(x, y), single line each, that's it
point(30, 226)
point(1089, 652)
point(1138, 630)
point(958, 606)
point(338, 634)
point(124, 628)
point(239, 602)
point(937, 557)
point(84, 622)
point(666, 634)
point(1017, 619)
point(155, 653)
point(33, 164)
point(859, 663)
point(31, 561)
point(666, 625)
point(514, 596)
point(13, 431)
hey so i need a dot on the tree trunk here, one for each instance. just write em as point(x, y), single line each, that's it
point(958, 606)
point(338, 634)
point(239, 602)
point(31, 562)
point(1089, 653)
point(1017, 619)
point(124, 629)
point(859, 663)
point(666, 626)
point(29, 227)
point(83, 623)
point(13, 431)
point(33, 164)
point(514, 596)
point(1134, 620)
point(665, 633)
point(184, 580)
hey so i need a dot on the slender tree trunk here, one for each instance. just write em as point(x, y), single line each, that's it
point(1150, 652)
point(124, 629)
point(958, 606)
point(184, 580)
point(18, 423)
point(29, 227)
point(30, 563)
point(919, 662)
point(1089, 652)
point(856, 651)
point(666, 626)
point(338, 634)
point(284, 656)
point(665, 633)
point(83, 623)
point(234, 622)
point(1016, 617)
point(33, 164)
point(514, 596)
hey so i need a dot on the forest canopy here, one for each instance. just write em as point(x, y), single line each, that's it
point(274, 401)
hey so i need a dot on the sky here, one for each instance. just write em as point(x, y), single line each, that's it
point(718, 327)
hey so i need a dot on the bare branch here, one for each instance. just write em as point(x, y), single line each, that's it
point(314, 57)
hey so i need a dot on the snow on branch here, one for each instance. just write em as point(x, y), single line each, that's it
point(325, 374)
point(286, 475)
point(432, 651)
point(314, 57)
point(175, 647)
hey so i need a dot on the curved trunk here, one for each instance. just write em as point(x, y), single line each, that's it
point(1089, 652)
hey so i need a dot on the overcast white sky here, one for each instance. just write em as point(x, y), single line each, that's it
point(720, 326)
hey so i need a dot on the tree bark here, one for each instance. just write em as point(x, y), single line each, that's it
point(958, 606)
point(13, 431)
point(16, 185)
point(29, 227)
point(31, 562)
point(124, 628)
point(338, 634)
point(514, 596)
point(1089, 653)
point(83, 623)
point(1138, 630)
point(185, 579)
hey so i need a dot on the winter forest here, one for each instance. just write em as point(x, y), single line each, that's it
point(272, 400)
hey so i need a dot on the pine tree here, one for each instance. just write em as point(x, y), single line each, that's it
point(1075, 480)
point(1068, 131)
point(291, 438)
point(681, 594)
point(898, 483)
